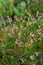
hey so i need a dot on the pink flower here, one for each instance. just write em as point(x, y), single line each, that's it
point(22, 60)
point(18, 42)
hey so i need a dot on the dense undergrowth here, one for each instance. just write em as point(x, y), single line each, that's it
point(21, 32)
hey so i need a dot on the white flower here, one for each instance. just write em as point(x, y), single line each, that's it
point(39, 31)
point(32, 57)
point(37, 53)
point(39, 26)
point(32, 35)
point(31, 41)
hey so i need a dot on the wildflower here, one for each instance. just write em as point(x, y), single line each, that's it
point(32, 35)
point(37, 53)
point(31, 41)
point(40, 17)
point(19, 34)
point(39, 26)
point(39, 31)
point(17, 28)
point(16, 18)
point(12, 31)
point(22, 60)
point(32, 57)
point(10, 20)
point(28, 44)
point(18, 42)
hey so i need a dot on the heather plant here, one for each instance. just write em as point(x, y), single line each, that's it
point(21, 33)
